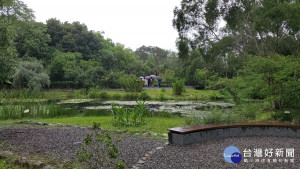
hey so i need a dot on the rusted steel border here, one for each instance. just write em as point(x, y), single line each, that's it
point(204, 127)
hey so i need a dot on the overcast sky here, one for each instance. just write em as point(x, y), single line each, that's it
point(131, 22)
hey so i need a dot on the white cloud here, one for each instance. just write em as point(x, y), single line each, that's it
point(131, 22)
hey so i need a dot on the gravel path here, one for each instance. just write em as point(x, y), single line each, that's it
point(210, 154)
point(62, 142)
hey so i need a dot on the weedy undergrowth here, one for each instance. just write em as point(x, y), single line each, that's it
point(99, 150)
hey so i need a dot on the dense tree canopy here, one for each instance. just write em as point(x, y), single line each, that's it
point(255, 43)
point(11, 13)
point(73, 37)
point(250, 27)
point(72, 55)
point(221, 34)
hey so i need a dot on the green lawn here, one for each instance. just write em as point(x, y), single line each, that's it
point(154, 124)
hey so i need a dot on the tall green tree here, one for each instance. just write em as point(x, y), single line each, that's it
point(158, 53)
point(32, 40)
point(65, 66)
point(11, 12)
point(73, 37)
point(226, 32)
point(256, 27)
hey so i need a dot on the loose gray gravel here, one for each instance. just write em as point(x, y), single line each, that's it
point(61, 143)
point(210, 154)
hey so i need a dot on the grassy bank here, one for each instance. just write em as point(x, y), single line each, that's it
point(148, 94)
point(153, 124)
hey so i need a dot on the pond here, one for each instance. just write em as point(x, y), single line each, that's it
point(182, 107)
point(92, 107)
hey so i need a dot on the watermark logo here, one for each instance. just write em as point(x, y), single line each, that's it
point(232, 155)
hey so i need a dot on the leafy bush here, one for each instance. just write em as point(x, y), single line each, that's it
point(80, 93)
point(112, 79)
point(31, 75)
point(116, 96)
point(162, 97)
point(201, 78)
point(144, 96)
point(4, 165)
point(131, 96)
point(276, 78)
point(168, 76)
point(104, 95)
point(249, 110)
point(214, 117)
point(233, 86)
point(96, 126)
point(163, 90)
point(99, 150)
point(219, 116)
point(93, 93)
point(178, 87)
point(131, 84)
point(282, 117)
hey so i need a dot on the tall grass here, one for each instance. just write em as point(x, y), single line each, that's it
point(35, 110)
point(22, 94)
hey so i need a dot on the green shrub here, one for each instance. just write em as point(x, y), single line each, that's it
point(131, 96)
point(116, 96)
point(214, 117)
point(201, 78)
point(168, 76)
point(112, 79)
point(104, 95)
point(216, 96)
point(131, 83)
point(162, 97)
point(96, 126)
point(248, 110)
point(144, 96)
point(5, 165)
point(31, 75)
point(282, 117)
point(178, 87)
point(163, 90)
point(275, 78)
point(80, 93)
point(92, 93)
